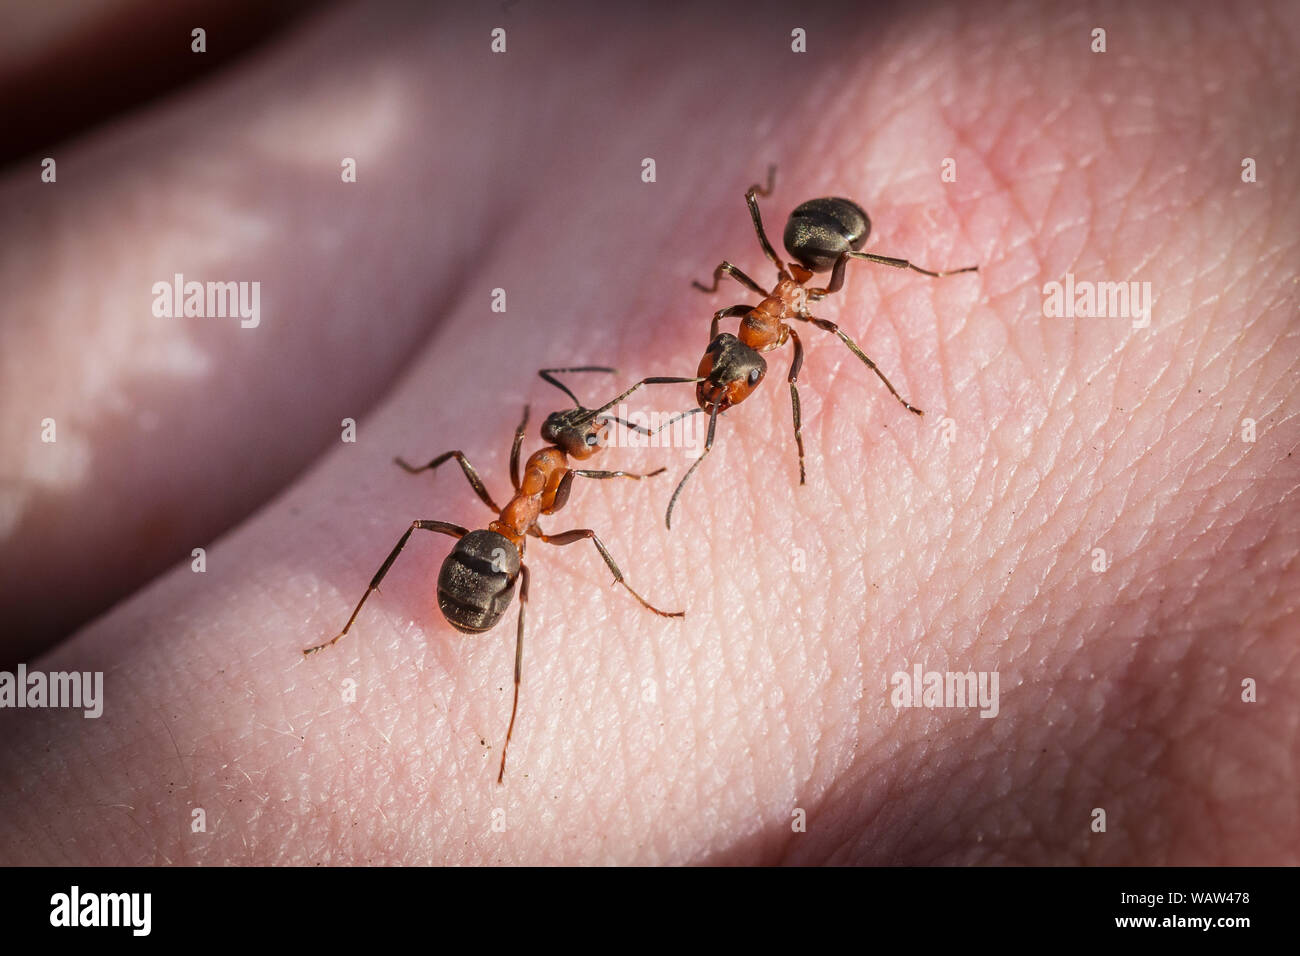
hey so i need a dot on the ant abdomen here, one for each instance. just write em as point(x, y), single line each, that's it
point(819, 231)
point(477, 581)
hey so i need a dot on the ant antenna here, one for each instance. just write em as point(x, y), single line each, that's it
point(708, 444)
point(546, 374)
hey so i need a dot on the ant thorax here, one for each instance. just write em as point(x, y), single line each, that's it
point(799, 301)
point(792, 295)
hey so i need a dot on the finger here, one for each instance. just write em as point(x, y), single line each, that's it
point(168, 430)
point(61, 64)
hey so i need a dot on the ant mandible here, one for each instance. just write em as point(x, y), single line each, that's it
point(477, 579)
point(821, 235)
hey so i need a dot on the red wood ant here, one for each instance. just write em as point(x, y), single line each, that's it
point(477, 579)
point(821, 235)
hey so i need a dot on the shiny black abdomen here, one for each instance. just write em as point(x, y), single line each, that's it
point(821, 230)
point(477, 581)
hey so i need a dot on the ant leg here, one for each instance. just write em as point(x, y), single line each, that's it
point(582, 473)
point(751, 200)
point(519, 664)
point(828, 326)
point(837, 273)
point(794, 398)
point(836, 281)
point(442, 527)
point(546, 373)
point(726, 268)
point(514, 449)
point(730, 312)
point(904, 264)
point(470, 474)
point(580, 534)
point(708, 444)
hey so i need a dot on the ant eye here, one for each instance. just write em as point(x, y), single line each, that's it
point(592, 439)
point(753, 376)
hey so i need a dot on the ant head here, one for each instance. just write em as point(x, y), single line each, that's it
point(577, 432)
point(731, 370)
point(819, 231)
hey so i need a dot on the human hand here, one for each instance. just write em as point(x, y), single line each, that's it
point(642, 740)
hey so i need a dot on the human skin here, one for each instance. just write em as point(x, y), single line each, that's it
point(963, 540)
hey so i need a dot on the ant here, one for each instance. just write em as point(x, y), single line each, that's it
point(477, 579)
point(821, 235)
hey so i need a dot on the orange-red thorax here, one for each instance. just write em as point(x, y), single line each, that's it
point(538, 487)
point(763, 328)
